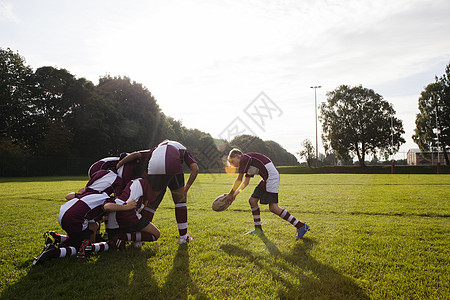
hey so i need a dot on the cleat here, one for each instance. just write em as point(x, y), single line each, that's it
point(85, 249)
point(51, 237)
point(46, 254)
point(184, 240)
point(255, 232)
point(116, 245)
point(302, 231)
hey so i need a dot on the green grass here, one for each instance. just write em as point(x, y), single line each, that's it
point(372, 237)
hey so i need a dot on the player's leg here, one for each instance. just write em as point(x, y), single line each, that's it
point(149, 211)
point(176, 186)
point(54, 238)
point(142, 231)
point(256, 213)
point(159, 187)
point(74, 242)
point(302, 228)
point(94, 227)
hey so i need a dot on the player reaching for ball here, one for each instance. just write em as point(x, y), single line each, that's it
point(266, 192)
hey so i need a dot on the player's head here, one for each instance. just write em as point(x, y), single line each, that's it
point(234, 157)
point(140, 169)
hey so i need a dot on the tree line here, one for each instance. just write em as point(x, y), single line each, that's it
point(357, 121)
point(49, 112)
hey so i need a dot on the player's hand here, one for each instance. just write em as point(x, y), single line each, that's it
point(131, 204)
point(230, 198)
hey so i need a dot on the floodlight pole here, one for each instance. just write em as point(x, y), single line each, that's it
point(315, 113)
point(438, 166)
point(392, 142)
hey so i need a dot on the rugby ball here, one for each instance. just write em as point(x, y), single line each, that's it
point(220, 203)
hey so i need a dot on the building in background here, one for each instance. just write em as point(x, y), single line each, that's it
point(415, 157)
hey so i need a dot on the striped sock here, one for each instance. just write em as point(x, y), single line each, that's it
point(60, 237)
point(257, 217)
point(65, 252)
point(137, 237)
point(181, 217)
point(99, 247)
point(291, 219)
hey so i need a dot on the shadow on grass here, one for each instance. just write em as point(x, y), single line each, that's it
point(108, 275)
point(313, 279)
point(179, 284)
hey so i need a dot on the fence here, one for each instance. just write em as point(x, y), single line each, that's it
point(44, 166)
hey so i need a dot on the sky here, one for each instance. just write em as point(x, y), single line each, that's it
point(235, 67)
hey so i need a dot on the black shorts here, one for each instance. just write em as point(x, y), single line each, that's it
point(158, 200)
point(264, 196)
point(142, 223)
point(161, 182)
point(76, 238)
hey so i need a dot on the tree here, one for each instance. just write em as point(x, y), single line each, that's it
point(119, 116)
point(58, 95)
point(17, 87)
point(434, 116)
point(308, 152)
point(279, 155)
point(357, 121)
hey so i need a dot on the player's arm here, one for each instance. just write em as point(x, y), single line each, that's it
point(128, 158)
point(70, 196)
point(236, 185)
point(192, 177)
point(242, 186)
point(131, 204)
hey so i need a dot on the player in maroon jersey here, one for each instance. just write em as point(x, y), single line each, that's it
point(107, 163)
point(74, 217)
point(101, 181)
point(266, 192)
point(125, 172)
point(165, 170)
point(125, 221)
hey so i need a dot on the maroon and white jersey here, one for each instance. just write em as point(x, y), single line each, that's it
point(105, 181)
point(126, 173)
point(254, 163)
point(139, 190)
point(75, 214)
point(168, 157)
point(107, 163)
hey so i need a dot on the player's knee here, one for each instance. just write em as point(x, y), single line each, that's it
point(253, 201)
point(179, 196)
point(274, 208)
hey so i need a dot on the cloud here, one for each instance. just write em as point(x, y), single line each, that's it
point(6, 13)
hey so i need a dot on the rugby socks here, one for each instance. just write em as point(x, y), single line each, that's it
point(98, 247)
point(71, 251)
point(137, 237)
point(64, 252)
point(257, 217)
point(60, 238)
point(181, 217)
point(291, 219)
point(148, 213)
point(63, 238)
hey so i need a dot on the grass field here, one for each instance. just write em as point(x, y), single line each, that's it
point(372, 237)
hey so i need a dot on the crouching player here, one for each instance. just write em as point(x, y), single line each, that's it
point(125, 222)
point(74, 217)
point(266, 192)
